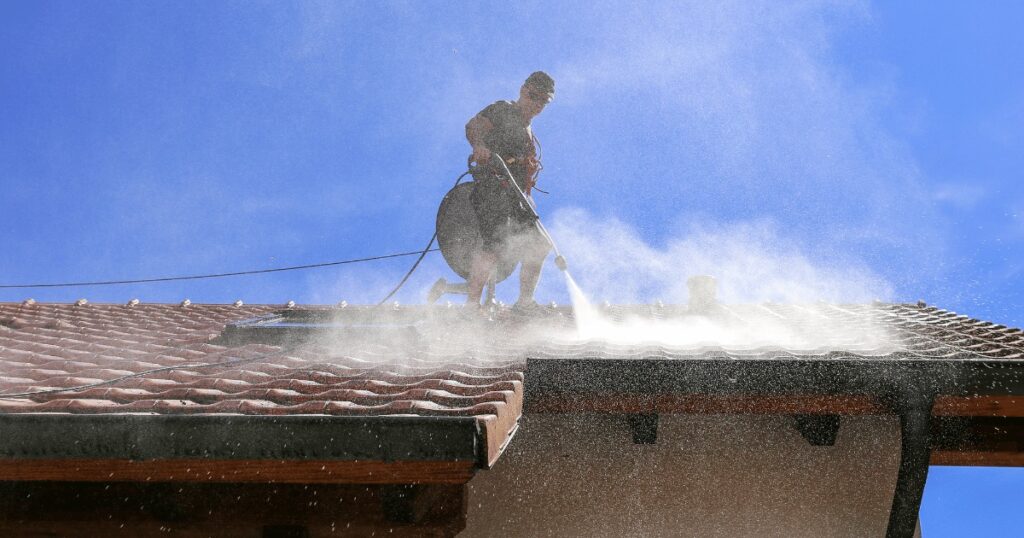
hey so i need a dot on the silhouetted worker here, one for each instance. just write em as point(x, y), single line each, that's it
point(506, 225)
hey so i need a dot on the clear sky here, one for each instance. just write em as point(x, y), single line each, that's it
point(795, 150)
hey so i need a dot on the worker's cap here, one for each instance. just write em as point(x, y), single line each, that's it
point(542, 84)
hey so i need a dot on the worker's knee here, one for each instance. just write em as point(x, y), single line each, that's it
point(527, 245)
point(536, 253)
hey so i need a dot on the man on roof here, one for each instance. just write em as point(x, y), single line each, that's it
point(506, 226)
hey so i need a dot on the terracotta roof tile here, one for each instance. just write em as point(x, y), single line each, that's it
point(46, 347)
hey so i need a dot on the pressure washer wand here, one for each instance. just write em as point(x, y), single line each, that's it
point(559, 260)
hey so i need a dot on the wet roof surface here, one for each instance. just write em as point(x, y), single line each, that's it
point(453, 366)
point(48, 347)
point(821, 330)
point(395, 377)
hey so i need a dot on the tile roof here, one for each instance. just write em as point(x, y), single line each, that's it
point(48, 347)
point(164, 359)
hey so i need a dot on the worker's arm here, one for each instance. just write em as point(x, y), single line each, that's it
point(532, 168)
point(476, 131)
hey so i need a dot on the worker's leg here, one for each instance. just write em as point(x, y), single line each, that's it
point(529, 277)
point(535, 249)
point(491, 206)
point(483, 265)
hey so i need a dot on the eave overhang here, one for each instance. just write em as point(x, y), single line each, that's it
point(239, 448)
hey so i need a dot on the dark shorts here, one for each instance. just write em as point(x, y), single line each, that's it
point(507, 228)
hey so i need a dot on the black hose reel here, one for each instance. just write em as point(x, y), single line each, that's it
point(458, 234)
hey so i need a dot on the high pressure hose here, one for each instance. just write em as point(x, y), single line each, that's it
point(423, 254)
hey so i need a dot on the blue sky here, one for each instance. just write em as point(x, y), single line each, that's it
point(838, 150)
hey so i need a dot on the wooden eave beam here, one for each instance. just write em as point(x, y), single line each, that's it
point(980, 406)
point(237, 471)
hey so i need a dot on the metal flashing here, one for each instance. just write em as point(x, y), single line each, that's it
point(291, 327)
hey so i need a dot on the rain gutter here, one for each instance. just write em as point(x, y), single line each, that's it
point(138, 437)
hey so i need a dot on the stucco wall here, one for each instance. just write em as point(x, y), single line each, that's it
point(729, 476)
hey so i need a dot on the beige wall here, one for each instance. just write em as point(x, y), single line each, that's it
point(734, 476)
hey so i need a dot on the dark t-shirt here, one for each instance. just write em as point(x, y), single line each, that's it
point(511, 136)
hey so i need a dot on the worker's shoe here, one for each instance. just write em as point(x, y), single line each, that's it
point(443, 287)
point(474, 313)
point(437, 290)
point(528, 308)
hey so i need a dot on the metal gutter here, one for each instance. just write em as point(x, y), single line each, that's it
point(243, 437)
point(773, 376)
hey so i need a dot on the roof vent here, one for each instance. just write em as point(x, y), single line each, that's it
point(343, 304)
point(238, 302)
point(703, 292)
point(133, 302)
point(28, 302)
point(300, 326)
point(185, 303)
point(921, 303)
point(290, 304)
point(81, 302)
